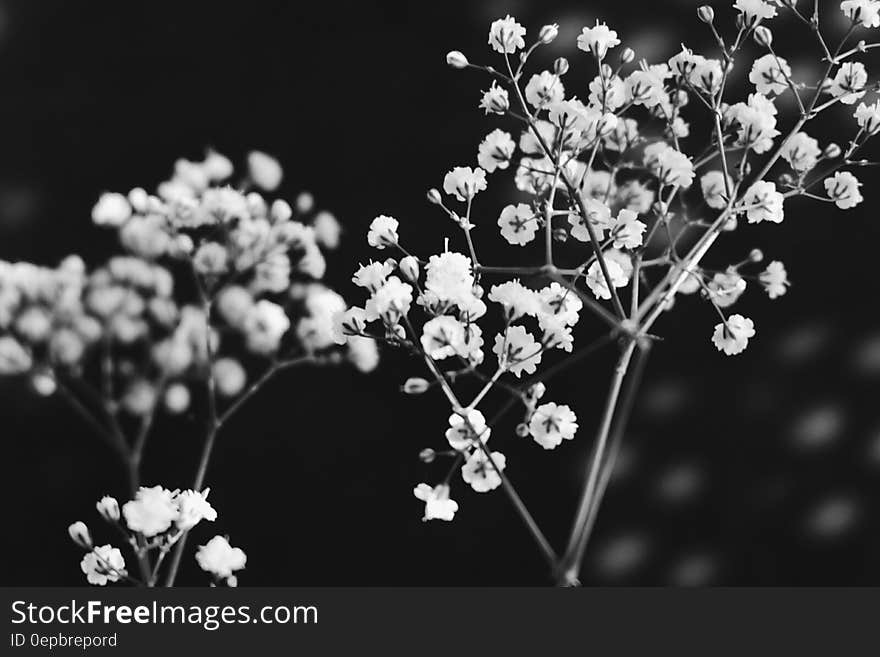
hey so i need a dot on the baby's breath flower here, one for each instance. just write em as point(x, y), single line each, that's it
point(383, 232)
point(80, 535)
point(714, 190)
point(733, 336)
point(595, 279)
point(669, 165)
point(264, 170)
point(464, 183)
point(543, 89)
point(481, 473)
point(444, 337)
point(849, 83)
point(518, 224)
point(193, 507)
point(362, 353)
point(438, 506)
point(866, 12)
point(725, 288)
point(108, 507)
point(868, 117)
point(517, 299)
point(754, 11)
point(264, 326)
point(229, 377)
point(103, 564)
point(599, 216)
point(843, 188)
point(462, 432)
point(392, 300)
point(151, 512)
point(176, 398)
point(764, 203)
point(802, 152)
point(560, 303)
point(219, 558)
point(409, 268)
point(597, 40)
point(373, 275)
point(551, 424)
point(627, 230)
point(495, 151)
point(774, 279)
point(496, 100)
point(449, 277)
point(14, 359)
point(349, 323)
point(517, 351)
point(506, 35)
point(769, 74)
point(111, 210)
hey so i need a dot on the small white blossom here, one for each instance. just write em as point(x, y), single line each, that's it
point(496, 100)
point(176, 398)
point(151, 512)
point(495, 151)
point(551, 424)
point(449, 277)
point(627, 230)
point(103, 564)
point(849, 83)
point(516, 298)
point(714, 190)
point(725, 288)
point(79, 534)
point(599, 216)
point(444, 337)
point(769, 74)
point(264, 170)
point(868, 116)
point(561, 303)
point(544, 88)
point(733, 336)
point(480, 472)
point(373, 275)
point(754, 11)
point(764, 203)
point(843, 188)
point(517, 351)
point(392, 300)
point(597, 40)
point(349, 323)
point(774, 279)
point(193, 508)
point(462, 433)
point(506, 35)
point(464, 183)
point(111, 210)
point(595, 279)
point(219, 558)
point(264, 326)
point(669, 165)
point(383, 232)
point(866, 12)
point(438, 506)
point(518, 224)
point(108, 507)
point(229, 377)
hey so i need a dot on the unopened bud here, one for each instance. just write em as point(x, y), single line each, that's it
point(434, 196)
point(706, 13)
point(560, 234)
point(763, 36)
point(390, 262)
point(786, 180)
point(409, 267)
point(427, 455)
point(756, 255)
point(627, 55)
point(456, 59)
point(415, 386)
point(560, 66)
point(108, 507)
point(79, 534)
point(522, 429)
point(832, 151)
point(548, 33)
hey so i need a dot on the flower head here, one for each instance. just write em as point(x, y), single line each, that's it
point(597, 39)
point(495, 151)
point(518, 224)
point(103, 564)
point(219, 558)
point(764, 203)
point(843, 188)
point(483, 472)
point(151, 511)
point(438, 506)
point(774, 279)
point(551, 424)
point(383, 232)
point(732, 336)
point(506, 35)
point(464, 183)
point(193, 507)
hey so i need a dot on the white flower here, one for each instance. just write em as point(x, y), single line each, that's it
point(766, 203)
point(669, 165)
point(495, 100)
point(597, 40)
point(449, 277)
point(518, 224)
point(234, 303)
point(551, 423)
point(383, 232)
point(176, 398)
point(868, 117)
point(645, 88)
point(443, 337)
point(140, 397)
point(707, 76)
point(462, 433)
point(103, 564)
point(506, 35)
point(456, 59)
point(843, 188)
point(108, 507)
point(595, 279)
point(517, 351)
point(219, 558)
point(754, 11)
point(392, 300)
point(599, 216)
point(14, 359)
point(264, 170)
point(757, 122)
point(438, 506)
point(479, 471)
point(733, 336)
point(229, 377)
point(714, 190)
point(627, 230)
point(517, 299)
point(363, 353)
point(111, 210)
point(194, 507)
point(327, 230)
point(774, 279)
point(349, 323)
point(561, 303)
point(265, 325)
point(609, 94)
point(849, 83)
point(769, 74)
point(151, 511)
point(801, 152)
point(79, 534)
point(373, 275)
point(726, 288)
point(866, 12)
point(210, 259)
point(495, 151)
point(543, 89)
point(464, 183)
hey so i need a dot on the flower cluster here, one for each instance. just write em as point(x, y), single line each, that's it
point(153, 523)
point(617, 209)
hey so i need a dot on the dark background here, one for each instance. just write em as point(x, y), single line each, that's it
point(760, 469)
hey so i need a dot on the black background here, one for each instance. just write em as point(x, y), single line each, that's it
point(760, 469)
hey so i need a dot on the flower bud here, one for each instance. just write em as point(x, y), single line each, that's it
point(434, 196)
point(706, 14)
point(390, 262)
point(548, 33)
point(427, 455)
point(177, 398)
point(763, 36)
point(79, 534)
point(415, 386)
point(786, 180)
point(108, 507)
point(522, 429)
point(44, 384)
point(305, 203)
point(560, 234)
point(456, 59)
point(409, 267)
point(560, 66)
point(627, 56)
point(280, 211)
point(756, 255)
point(832, 151)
